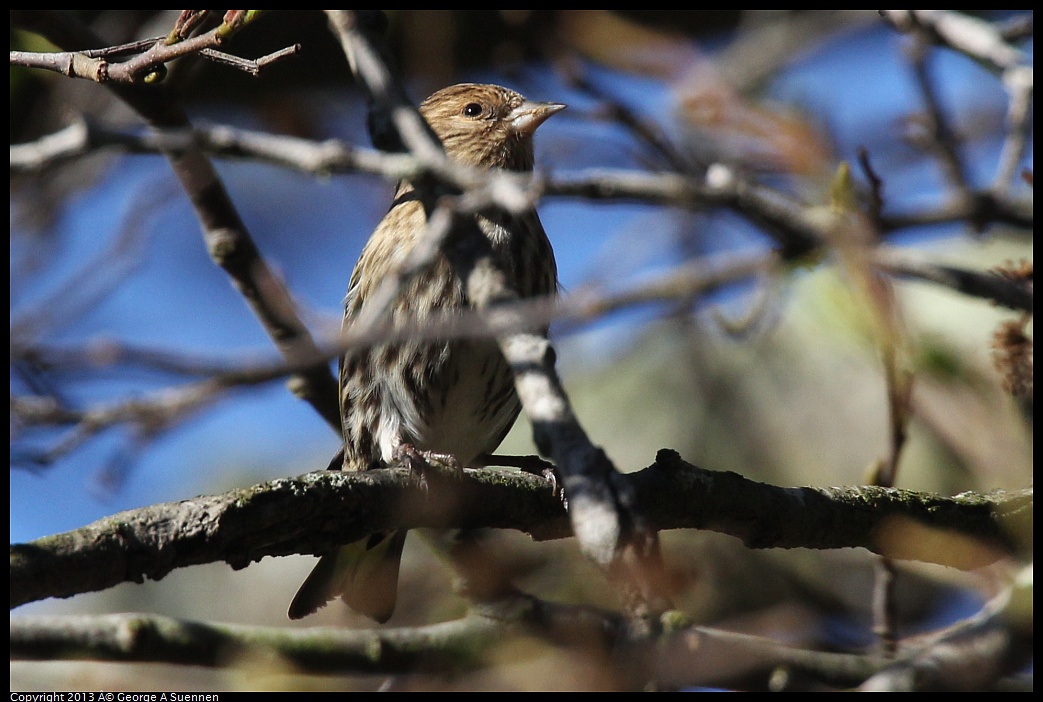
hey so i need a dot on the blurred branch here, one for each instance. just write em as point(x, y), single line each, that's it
point(970, 655)
point(318, 511)
point(794, 222)
point(92, 279)
point(854, 242)
point(976, 38)
point(790, 220)
point(584, 304)
point(158, 410)
point(940, 138)
point(435, 648)
point(988, 44)
point(152, 638)
point(984, 284)
point(152, 412)
point(765, 46)
point(672, 655)
point(679, 654)
point(150, 415)
point(648, 133)
point(107, 353)
point(1019, 126)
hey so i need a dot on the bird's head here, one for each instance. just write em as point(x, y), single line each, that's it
point(486, 125)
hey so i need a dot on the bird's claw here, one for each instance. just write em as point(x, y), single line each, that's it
point(534, 465)
point(550, 474)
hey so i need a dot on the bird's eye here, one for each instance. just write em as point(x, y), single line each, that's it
point(472, 109)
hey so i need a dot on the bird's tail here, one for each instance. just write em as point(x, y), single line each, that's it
point(364, 574)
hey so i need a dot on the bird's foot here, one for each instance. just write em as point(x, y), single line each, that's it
point(424, 465)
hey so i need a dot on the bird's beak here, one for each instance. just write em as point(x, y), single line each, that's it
point(526, 117)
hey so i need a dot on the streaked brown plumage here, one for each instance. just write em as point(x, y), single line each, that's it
point(455, 397)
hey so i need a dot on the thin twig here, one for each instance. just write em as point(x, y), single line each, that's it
point(147, 64)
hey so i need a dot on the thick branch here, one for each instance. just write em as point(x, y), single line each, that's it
point(282, 517)
point(318, 511)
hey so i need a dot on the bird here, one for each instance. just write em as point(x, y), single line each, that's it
point(451, 398)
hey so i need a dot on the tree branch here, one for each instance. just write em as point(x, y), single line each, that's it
point(319, 511)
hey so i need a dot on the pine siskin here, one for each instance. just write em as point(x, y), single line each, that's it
point(448, 397)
